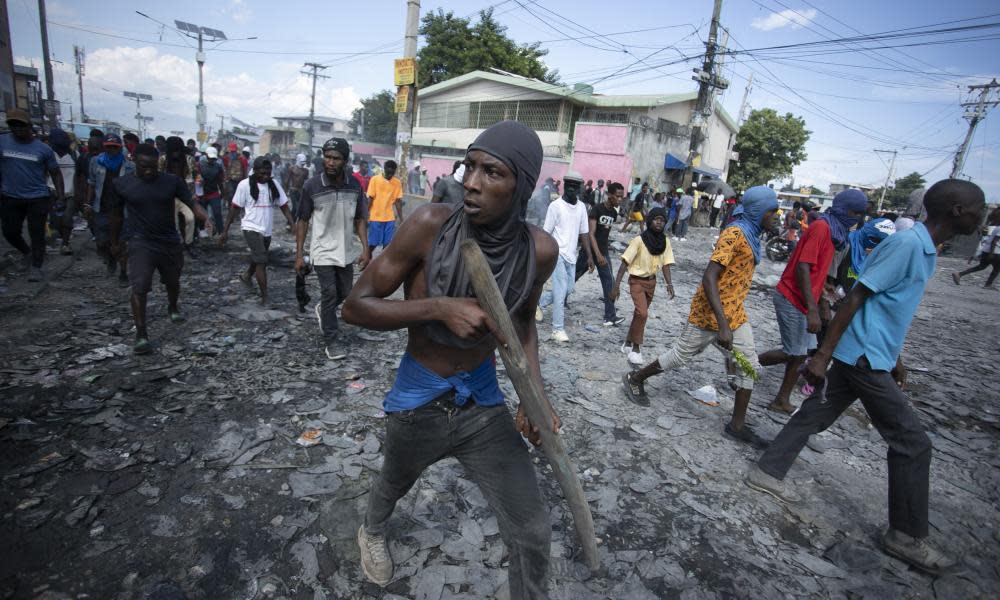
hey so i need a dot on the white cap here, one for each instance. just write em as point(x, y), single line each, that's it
point(212, 152)
point(573, 176)
point(246, 148)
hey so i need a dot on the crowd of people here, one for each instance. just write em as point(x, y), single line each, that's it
point(843, 304)
point(147, 203)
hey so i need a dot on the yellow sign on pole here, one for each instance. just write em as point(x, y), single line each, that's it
point(402, 99)
point(406, 71)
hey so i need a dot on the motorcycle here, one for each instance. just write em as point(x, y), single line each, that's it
point(777, 248)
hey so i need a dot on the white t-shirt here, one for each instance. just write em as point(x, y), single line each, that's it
point(258, 215)
point(719, 199)
point(566, 222)
point(987, 240)
point(67, 166)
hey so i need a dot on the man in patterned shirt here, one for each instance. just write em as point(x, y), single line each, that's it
point(717, 312)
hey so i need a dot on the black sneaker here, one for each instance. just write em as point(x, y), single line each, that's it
point(746, 435)
point(142, 346)
point(635, 392)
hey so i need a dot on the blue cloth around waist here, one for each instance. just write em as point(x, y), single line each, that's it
point(417, 385)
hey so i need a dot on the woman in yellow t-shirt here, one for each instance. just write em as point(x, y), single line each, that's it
point(646, 254)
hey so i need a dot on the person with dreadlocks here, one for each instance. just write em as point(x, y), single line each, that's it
point(176, 161)
point(797, 297)
point(718, 315)
point(645, 255)
point(446, 400)
point(257, 196)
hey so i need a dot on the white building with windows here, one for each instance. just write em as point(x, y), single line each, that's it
point(611, 137)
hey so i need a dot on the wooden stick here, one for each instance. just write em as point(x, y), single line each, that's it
point(530, 393)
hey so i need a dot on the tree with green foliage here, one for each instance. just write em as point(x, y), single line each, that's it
point(379, 118)
point(456, 46)
point(897, 195)
point(769, 145)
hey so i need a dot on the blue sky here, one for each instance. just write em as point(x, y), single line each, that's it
point(905, 99)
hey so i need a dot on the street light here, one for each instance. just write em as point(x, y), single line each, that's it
point(139, 99)
point(202, 34)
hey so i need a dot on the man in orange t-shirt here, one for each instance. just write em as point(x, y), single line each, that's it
point(385, 193)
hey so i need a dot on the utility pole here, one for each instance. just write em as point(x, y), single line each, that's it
point(888, 176)
point(404, 122)
point(974, 116)
point(708, 81)
point(739, 123)
point(78, 55)
point(50, 94)
point(312, 101)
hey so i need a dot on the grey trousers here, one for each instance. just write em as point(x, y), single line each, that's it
point(335, 284)
point(484, 440)
point(909, 452)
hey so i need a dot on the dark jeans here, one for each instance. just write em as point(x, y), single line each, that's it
point(484, 440)
point(712, 216)
point(13, 212)
point(335, 284)
point(986, 261)
point(213, 206)
point(293, 199)
point(682, 227)
point(607, 280)
point(909, 453)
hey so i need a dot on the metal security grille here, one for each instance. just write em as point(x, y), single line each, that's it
point(540, 115)
point(591, 115)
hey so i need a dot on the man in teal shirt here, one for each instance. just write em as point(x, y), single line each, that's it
point(864, 341)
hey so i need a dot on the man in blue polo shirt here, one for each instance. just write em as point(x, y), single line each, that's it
point(864, 341)
point(24, 164)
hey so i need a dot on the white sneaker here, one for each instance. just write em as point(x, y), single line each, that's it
point(683, 240)
point(635, 358)
point(616, 322)
point(539, 316)
point(376, 562)
point(559, 335)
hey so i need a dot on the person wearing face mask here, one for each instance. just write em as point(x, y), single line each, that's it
point(797, 297)
point(566, 221)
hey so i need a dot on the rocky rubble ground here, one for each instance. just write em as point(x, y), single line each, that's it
point(234, 461)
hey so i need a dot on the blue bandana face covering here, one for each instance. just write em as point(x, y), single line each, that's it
point(756, 202)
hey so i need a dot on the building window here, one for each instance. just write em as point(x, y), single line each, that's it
point(540, 115)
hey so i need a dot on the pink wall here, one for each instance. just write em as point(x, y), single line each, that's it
point(435, 166)
point(554, 169)
point(599, 152)
point(369, 148)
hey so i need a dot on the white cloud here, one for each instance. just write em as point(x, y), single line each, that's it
point(789, 17)
point(172, 80)
point(239, 11)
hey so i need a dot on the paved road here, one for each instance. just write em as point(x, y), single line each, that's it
point(179, 474)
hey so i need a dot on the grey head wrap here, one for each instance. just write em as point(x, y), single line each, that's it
point(507, 245)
